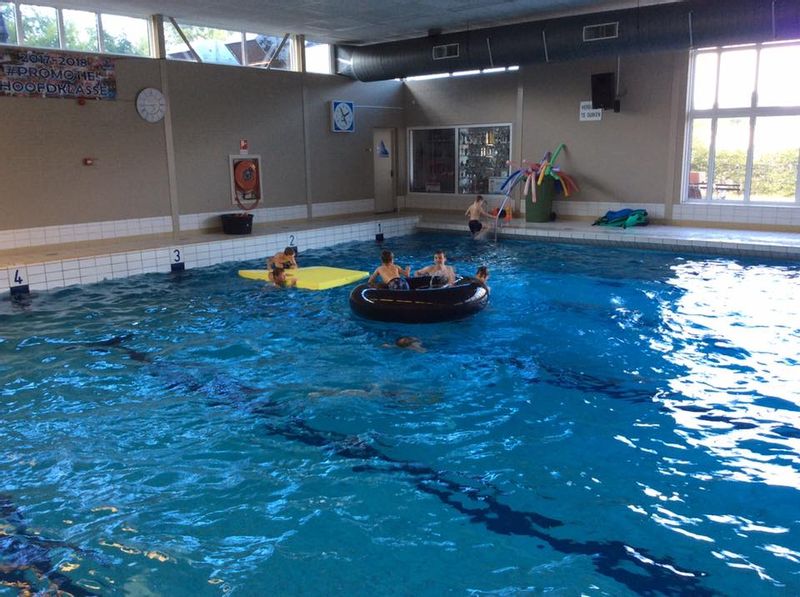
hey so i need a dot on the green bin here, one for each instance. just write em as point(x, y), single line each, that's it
point(542, 210)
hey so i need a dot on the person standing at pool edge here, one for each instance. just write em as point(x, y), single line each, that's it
point(474, 213)
point(390, 274)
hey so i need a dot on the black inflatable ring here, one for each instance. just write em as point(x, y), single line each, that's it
point(423, 303)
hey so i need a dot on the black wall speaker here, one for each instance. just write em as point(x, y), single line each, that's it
point(603, 91)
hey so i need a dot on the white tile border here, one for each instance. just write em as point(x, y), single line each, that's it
point(53, 235)
point(775, 215)
point(57, 274)
point(787, 215)
point(664, 238)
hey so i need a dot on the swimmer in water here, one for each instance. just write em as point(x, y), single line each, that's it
point(410, 342)
point(278, 277)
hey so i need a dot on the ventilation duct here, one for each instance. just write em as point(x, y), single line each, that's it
point(600, 32)
point(446, 51)
point(661, 27)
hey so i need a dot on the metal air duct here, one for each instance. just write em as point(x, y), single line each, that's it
point(661, 27)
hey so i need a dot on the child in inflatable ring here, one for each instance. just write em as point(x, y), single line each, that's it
point(439, 269)
point(482, 275)
point(390, 274)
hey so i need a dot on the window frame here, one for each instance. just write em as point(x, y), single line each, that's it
point(714, 114)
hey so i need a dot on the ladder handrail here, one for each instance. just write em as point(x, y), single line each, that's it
point(497, 215)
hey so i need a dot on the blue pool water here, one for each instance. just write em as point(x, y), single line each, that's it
point(614, 423)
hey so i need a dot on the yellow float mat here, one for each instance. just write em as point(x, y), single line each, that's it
point(318, 277)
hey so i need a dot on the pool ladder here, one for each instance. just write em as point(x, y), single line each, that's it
point(497, 216)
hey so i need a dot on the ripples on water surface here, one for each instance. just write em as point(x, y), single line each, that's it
point(614, 423)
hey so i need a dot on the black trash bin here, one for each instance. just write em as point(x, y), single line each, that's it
point(237, 223)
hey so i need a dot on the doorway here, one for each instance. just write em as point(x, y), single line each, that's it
point(384, 163)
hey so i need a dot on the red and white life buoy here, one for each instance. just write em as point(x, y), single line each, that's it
point(245, 175)
point(247, 183)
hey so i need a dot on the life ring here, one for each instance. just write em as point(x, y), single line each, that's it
point(423, 303)
point(245, 175)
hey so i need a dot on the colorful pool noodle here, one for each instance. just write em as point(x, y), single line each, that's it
point(534, 176)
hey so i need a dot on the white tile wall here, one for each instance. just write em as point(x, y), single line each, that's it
point(596, 209)
point(562, 207)
point(786, 215)
point(56, 274)
point(666, 238)
point(339, 208)
point(51, 235)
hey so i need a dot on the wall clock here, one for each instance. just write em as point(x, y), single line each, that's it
point(343, 117)
point(151, 104)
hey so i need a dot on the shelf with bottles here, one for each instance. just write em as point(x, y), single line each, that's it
point(483, 154)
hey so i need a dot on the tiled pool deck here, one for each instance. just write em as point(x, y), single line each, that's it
point(713, 241)
point(57, 265)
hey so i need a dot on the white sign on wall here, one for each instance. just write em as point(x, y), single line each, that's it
point(589, 113)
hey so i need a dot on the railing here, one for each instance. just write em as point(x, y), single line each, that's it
point(497, 216)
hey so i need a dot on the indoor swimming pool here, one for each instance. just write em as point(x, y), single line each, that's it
point(615, 422)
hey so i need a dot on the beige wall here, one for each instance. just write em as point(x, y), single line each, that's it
point(629, 156)
point(341, 163)
point(43, 142)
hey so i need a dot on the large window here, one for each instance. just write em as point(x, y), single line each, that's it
point(8, 23)
point(318, 57)
point(463, 160)
point(218, 46)
point(27, 24)
point(744, 125)
point(221, 46)
point(125, 35)
point(48, 27)
point(39, 26)
point(273, 51)
point(80, 31)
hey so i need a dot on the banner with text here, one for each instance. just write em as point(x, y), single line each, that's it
point(42, 73)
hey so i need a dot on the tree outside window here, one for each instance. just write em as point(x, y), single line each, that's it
point(39, 26)
point(8, 24)
point(80, 30)
point(125, 35)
